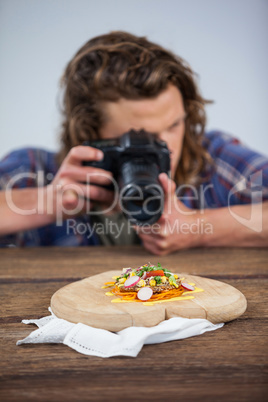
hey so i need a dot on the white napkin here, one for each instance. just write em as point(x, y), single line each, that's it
point(102, 343)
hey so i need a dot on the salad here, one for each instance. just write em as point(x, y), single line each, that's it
point(148, 282)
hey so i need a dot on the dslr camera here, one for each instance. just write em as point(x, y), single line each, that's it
point(136, 159)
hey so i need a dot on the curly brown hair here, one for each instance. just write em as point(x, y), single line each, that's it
point(121, 65)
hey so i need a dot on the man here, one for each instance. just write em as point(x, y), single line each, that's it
point(117, 82)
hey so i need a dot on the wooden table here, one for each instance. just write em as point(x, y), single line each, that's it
point(229, 364)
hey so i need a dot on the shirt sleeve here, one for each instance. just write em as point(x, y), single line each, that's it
point(239, 175)
point(32, 167)
point(24, 168)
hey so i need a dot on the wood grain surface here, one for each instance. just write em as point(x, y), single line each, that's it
point(229, 364)
point(86, 301)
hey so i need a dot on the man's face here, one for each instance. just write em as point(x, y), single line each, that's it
point(163, 115)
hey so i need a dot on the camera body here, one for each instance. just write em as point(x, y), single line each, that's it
point(136, 159)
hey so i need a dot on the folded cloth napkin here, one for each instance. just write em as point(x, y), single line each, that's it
point(102, 343)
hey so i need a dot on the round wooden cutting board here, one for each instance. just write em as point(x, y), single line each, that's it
point(85, 301)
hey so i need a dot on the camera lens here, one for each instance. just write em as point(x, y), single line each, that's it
point(141, 195)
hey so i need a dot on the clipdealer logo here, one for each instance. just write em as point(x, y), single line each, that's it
point(253, 188)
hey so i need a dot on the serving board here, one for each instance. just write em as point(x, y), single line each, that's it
point(86, 301)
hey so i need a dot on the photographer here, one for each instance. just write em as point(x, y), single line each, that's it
point(115, 83)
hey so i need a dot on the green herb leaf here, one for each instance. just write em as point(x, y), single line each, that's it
point(158, 279)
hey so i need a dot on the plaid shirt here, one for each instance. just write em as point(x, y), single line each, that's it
point(239, 176)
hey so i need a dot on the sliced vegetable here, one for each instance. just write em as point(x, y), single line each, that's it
point(187, 286)
point(159, 272)
point(126, 270)
point(145, 294)
point(172, 281)
point(144, 275)
point(132, 281)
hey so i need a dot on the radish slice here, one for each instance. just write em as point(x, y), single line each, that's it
point(145, 293)
point(132, 281)
point(187, 286)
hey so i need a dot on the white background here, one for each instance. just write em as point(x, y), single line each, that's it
point(225, 41)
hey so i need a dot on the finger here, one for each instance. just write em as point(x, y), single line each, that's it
point(169, 188)
point(98, 193)
point(151, 236)
point(71, 201)
point(86, 174)
point(159, 234)
point(168, 185)
point(90, 192)
point(146, 231)
point(83, 153)
point(75, 205)
point(159, 230)
point(152, 248)
point(159, 243)
point(162, 221)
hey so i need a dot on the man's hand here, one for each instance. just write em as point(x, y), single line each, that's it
point(166, 235)
point(180, 227)
point(67, 195)
point(75, 188)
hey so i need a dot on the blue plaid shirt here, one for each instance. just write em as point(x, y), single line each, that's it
point(237, 175)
